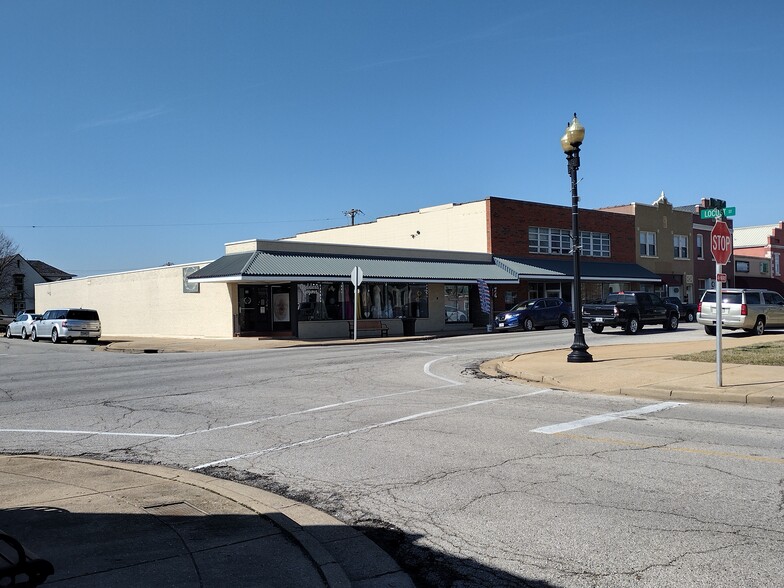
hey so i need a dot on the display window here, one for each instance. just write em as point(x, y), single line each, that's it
point(456, 303)
point(334, 300)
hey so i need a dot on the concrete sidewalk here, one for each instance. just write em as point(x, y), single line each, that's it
point(648, 370)
point(124, 525)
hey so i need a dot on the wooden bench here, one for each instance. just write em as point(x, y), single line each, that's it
point(367, 326)
point(20, 567)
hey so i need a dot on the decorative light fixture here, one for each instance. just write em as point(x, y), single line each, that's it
point(570, 143)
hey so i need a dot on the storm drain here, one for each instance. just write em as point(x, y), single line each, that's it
point(173, 511)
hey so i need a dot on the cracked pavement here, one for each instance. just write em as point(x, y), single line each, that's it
point(411, 439)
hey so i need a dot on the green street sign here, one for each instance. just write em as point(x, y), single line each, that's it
point(716, 212)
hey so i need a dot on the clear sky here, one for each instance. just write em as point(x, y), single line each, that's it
point(140, 132)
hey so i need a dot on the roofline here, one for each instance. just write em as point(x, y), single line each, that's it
point(312, 248)
point(377, 280)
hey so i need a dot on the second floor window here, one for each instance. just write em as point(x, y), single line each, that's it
point(647, 244)
point(680, 248)
point(595, 244)
point(700, 254)
point(545, 240)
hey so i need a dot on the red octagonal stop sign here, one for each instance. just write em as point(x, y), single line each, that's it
point(721, 242)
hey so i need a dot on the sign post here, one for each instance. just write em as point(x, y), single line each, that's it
point(356, 279)
point(721, 249)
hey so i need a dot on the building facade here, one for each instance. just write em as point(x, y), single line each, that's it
point(670, 243)
point(281, 289)
point(19, 279)
point(759, 252)
point(535, 236)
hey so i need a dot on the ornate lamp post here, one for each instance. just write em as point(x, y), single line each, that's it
point(570, 143)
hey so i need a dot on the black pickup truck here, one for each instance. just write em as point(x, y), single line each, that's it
point(688, 312)
point(631, 310)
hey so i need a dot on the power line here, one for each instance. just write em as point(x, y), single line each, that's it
point(158, 225)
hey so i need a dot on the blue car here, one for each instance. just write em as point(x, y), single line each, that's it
point(536, 313)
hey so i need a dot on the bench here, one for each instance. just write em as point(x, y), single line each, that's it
point(366, 325)
point(20, 567)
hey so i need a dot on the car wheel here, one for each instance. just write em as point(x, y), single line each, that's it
point(597, 328)
point(24, 333)
point(563, 322)
point(690, 317)
point(34, 335)
point(710, 330)
point(55, 336)
point(632, 326)
point(759, 327)
point(528, 324)
point(672, 323)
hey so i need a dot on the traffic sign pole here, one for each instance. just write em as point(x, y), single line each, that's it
point(356, 279)
point(718, 326)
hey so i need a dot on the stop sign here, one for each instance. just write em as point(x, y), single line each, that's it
point(721, 242)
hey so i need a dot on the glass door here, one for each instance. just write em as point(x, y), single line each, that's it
point(254, 309)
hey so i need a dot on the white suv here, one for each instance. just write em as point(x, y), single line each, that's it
point(750, 310)
point(68, 324)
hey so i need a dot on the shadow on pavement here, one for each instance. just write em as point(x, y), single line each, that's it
point(167, 549)
point(432, 569)
point(174, 548)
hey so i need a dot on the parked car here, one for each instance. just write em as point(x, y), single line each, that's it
point(5, 320)
point(68, 324)
point(631, 311)
point(536, 313)
point(687, 311)
point(747, 309)
point(22, 325)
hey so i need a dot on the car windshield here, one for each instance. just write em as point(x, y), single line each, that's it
point(525, 305)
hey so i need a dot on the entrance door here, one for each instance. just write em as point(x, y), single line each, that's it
point(254, 309)
point(264, 309)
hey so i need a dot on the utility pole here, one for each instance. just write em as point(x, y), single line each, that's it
point(352, 213)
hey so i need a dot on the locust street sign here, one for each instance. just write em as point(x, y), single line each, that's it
point(717, 212)
point(721, 242)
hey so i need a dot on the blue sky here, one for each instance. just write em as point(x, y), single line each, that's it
point(140, 132)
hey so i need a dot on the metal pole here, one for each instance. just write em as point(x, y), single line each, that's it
point(356, 309)
point(718, 326)
point(579, 347)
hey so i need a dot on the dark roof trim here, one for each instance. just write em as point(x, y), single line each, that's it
point(560, 269)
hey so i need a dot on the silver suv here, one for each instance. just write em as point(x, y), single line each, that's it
point(68, 324)
point(750, 310)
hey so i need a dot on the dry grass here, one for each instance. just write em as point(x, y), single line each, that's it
point(759, 354)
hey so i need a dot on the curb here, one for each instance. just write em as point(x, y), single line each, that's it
point(298, 521)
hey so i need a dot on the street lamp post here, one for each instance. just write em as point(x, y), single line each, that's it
point(570, 143)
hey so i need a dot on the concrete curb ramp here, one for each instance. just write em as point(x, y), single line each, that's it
point(648, 370)
point(115, 524)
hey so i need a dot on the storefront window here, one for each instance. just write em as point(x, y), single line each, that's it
point(390, 300)
point(322, 301)
point(456, 303)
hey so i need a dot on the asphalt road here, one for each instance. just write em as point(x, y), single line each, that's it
point(469, 480)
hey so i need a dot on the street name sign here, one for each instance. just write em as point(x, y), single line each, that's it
point(717, 212)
